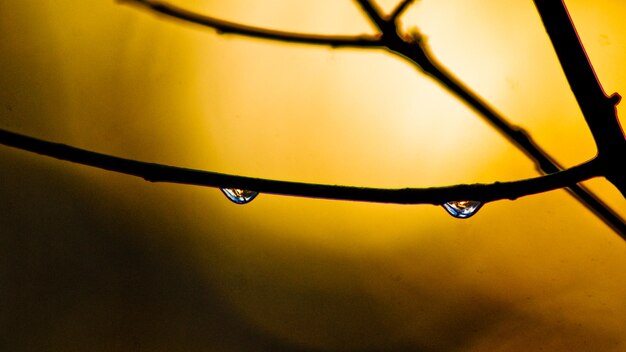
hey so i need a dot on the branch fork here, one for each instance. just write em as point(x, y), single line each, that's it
point(598, 109)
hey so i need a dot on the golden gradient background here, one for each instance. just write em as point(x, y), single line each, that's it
point(96, 261)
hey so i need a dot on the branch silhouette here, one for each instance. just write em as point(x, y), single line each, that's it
point(413, 48)
point(227, 27)
point(598, 109)
point(435, 195)
point(400, 8)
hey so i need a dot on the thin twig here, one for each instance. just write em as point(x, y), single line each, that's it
point(418, 53)
point(435, 195)
point(226, 27)
point(399, 10)
point(374, 13)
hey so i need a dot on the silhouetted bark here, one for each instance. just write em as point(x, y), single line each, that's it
point(598, 109)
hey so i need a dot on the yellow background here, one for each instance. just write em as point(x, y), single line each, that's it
point(92, 260)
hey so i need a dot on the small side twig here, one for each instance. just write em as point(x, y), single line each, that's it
point(227, 27)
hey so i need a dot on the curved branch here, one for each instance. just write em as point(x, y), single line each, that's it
point(226, 27)
point(435, 195)
point(413, 49)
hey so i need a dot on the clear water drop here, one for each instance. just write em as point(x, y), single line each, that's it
point(239, 196)
point(462, 209)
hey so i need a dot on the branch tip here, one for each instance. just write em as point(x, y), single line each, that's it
point(137, 2)
point(615, 98)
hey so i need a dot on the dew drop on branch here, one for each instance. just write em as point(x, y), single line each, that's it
point(239, 196)
point(462, 209)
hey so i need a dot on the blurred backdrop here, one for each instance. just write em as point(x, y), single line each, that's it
point(93, 260)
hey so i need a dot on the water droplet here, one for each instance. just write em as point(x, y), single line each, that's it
point(462, 209)
point(239, 196)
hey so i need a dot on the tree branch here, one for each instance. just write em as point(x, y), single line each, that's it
point(226, 27)
point(413, 48)
point(597, 108)
point(374, 13)
point(399, 10)
point(436, 195)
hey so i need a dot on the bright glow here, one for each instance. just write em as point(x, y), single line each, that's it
point(169, 267)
